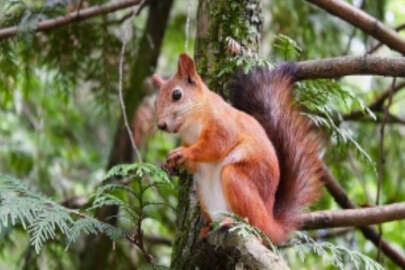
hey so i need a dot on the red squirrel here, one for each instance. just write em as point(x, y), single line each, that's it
point(262, 165)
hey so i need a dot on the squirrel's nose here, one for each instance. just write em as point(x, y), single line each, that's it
point(162, 125)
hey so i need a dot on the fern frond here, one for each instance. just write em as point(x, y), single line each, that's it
point(336, 255)
point(107, 199)
point(139, 170)
point(287, 47)
point(325, 100)
point(92, 226)
point(46, 224)
point(44, 218)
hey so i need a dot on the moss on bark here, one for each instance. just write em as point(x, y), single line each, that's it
point(240, 20)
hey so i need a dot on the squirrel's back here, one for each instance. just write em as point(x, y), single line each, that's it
point(267, 95)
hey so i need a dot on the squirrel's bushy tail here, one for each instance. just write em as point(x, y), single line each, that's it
point(267, 95)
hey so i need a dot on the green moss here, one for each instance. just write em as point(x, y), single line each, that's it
point(189, 223)
point(238, 19)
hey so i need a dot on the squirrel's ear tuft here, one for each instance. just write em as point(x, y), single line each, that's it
point(158, 81)
point(186, 66)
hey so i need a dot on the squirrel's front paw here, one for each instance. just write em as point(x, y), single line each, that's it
point(175, 158)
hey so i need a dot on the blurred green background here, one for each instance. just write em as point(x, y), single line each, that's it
point(60, 113)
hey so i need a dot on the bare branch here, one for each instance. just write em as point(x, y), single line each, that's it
point(338, 193)
point(364, 21)
point(377, 104)
point(381, 159)
point(350, 65)
point(335, 67)
point(353, 217)
point(122, 103)
point(157, 240)
point(135, 240)
point(72, 17)
point(392, 119)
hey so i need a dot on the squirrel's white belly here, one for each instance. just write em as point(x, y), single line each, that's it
point(208, 177)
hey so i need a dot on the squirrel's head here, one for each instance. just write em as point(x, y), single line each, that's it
point(179, 97)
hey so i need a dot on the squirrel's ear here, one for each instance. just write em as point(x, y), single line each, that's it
point(158, 81)
point(186, 66)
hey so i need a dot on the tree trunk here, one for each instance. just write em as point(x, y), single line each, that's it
point(98, 250)
point(216, 21)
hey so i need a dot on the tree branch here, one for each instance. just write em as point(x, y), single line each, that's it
point(379, 45)
point(334, 67)
point(344, 201)
point(246, 253)
point(75, 16)
point(391, 119)
point(350, 65)
point(377, 104)
point(364, 21)
point(353, 217)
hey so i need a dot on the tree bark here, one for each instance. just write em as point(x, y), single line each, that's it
point(98, 249)
point(350, 65)
point(229, 250)
point(336, 67)
point(353, 217)
point(217, 20)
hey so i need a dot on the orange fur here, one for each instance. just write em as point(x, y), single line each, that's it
point(236, 165)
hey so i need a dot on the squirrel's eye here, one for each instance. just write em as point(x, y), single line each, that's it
point(176, 94)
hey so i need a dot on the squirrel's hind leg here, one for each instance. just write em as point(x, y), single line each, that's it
point(243, 199)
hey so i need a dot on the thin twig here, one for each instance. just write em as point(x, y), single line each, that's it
point(133, 240)
point(381, 161)
point(353, 33)
point(359, 176)
point(392, 119)
point(377, 104)
point(379, 45)
point(349, 43)
point(122, 103)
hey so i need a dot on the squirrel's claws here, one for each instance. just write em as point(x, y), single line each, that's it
point(175, 158)
point(169, 170)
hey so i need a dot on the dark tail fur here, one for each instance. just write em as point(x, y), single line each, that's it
point(266, 95)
